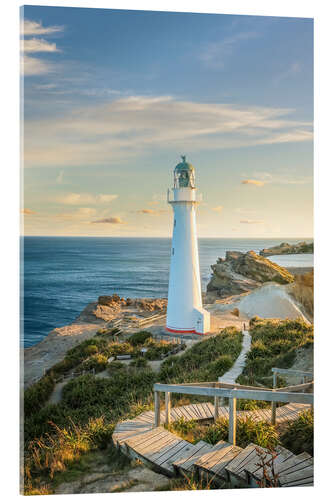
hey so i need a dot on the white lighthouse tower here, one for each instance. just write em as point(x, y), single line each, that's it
point(185, 313)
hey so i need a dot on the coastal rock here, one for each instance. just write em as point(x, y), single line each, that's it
point(241, 272)
point(287, 248)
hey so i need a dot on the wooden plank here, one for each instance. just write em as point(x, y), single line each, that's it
point(232, 421)
point(176, 413)
point(148, 447)
point(157, 406)
point(220, 468)
point(210, 409)
point(242, 458)
point(184, 454)
point(202, 462)
point(300, 475)
point(180, 446)
point(157, 449)
point(196, 411)
point(216, 457)
point(188, 464)
point(201, 411)
point(136, 440)
point(148, 439)
point(191, 412)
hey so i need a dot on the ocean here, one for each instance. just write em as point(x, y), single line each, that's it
point(60, 276)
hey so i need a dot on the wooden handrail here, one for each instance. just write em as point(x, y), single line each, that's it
point(214, 389)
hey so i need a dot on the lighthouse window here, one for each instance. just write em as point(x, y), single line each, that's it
point(173, 251)
point(174, 223)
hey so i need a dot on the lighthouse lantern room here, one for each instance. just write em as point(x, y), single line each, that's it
point(185, 313)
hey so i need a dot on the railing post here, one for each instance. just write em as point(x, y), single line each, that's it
point(232, 420)
point(273, 416)
point(157, 409)
point(167, 408)
point(216, 408)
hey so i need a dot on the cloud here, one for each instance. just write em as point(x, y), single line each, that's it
point(32, 66)
point(251, 221)
point(130, 127)
point(283, 178)
point(150, 211)
point(86, 198)
point(254, 182)
point(38, 45)
point(109, 220)
point(294, 69)
point(219, 208)
point(27, 211)
point(35, 28)
point(215, 54)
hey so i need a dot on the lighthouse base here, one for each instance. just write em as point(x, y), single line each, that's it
point(201, 324)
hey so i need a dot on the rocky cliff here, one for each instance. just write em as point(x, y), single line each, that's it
point(241, 272)
point(286, 248)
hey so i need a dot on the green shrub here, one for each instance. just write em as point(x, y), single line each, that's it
point(115, 348)
point(98, 362)
point(91, 349)
point(298, 435)
point(247, 431)
point(37, 395)
point(204, 361)
point(139, 362)
point(274, 344)
point(116, 366)
point(139, 338)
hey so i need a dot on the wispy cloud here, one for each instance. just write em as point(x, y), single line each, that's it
point(86, 198)
point(38, 45)
point(32, 66)
point(109, 220)
point(29, 28)
point(219, 208)
point(27, 211)
point(150, 211)
point(251, 221)
point(283, 178)
point(254, 182)
point(215, 54)
point(129, 127)
point(293, 69)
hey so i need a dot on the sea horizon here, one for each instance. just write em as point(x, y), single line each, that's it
point(61, 275)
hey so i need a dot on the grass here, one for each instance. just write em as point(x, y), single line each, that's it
point(274, 344)
point(298, 435)
point(58, 436)
point(248, 431)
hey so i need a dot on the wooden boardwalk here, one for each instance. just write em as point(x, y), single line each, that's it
point(171, 455)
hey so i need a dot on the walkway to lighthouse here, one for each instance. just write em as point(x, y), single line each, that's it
point(237, 368)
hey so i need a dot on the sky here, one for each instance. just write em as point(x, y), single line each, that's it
point(112, 98)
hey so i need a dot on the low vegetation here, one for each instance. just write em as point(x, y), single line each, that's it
point(248, 431)
point(205, 361)
point(298, 435)
point(274, 344)
point(57, 435)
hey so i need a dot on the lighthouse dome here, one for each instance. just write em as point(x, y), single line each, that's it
point(184, 174)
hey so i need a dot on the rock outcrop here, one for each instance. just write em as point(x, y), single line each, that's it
point(286, 248)
point(241, 272)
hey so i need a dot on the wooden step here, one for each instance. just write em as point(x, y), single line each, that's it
point(255, 472)
point(236, 468)
point(213, 463)
point(184, 462)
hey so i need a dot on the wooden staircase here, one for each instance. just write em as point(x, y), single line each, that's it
point(168, 454)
